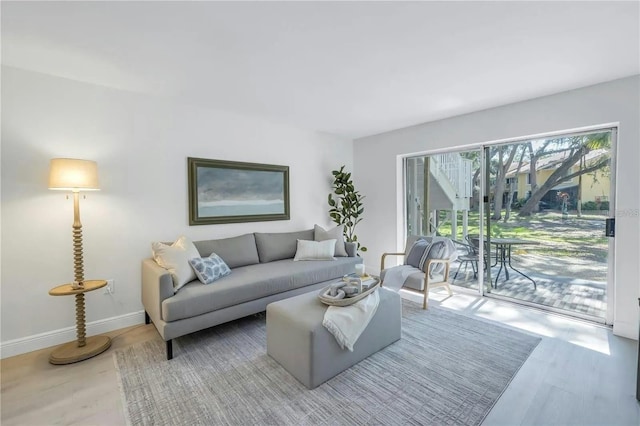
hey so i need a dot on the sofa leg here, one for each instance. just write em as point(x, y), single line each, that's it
point(169, 350)
point(147, 319)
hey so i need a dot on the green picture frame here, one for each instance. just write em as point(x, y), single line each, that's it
point(223, 191)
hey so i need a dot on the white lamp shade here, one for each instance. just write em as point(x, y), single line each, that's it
point(73, 175)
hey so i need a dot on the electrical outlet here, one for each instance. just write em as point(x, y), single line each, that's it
point(110, 288)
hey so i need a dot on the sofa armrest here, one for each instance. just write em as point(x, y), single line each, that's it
point(351, 249)
point(157, 285)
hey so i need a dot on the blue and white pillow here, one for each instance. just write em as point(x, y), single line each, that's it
point(421, 251)
point(416, 253)
point(436, 250)
point(209, 269)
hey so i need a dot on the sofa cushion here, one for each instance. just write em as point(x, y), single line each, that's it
point(336, 233)
point(236, 251)
point(279, 245)
point(250, 283)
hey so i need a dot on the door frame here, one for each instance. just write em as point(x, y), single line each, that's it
point(610, 285)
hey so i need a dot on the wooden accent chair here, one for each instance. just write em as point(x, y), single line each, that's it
point(421, 280)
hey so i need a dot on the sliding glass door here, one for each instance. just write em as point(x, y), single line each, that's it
point(548, 202)
point(534, 210)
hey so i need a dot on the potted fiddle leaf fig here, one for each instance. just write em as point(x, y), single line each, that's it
point(346, 205)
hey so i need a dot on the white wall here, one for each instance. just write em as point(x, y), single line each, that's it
point(376, 169)
point(141, 145)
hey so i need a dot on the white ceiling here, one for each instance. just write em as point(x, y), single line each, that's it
point(352, 69)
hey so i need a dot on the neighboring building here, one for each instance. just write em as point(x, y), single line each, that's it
point(595, 185)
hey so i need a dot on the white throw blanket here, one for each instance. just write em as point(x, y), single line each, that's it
point(347, 323)
point(395, 277)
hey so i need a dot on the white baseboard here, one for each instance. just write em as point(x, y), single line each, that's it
point(64, 335)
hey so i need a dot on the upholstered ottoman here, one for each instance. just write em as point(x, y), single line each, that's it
point(297, 339)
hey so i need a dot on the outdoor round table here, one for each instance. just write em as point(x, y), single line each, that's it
point(503, 255)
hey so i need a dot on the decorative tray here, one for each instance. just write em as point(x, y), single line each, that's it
point(364, 277)
point(349, 300)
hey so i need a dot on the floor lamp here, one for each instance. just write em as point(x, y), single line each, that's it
point(69, 174)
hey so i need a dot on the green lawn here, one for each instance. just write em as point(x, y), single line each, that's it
point(560, 237)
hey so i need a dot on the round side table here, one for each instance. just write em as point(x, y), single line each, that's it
point(84, 347)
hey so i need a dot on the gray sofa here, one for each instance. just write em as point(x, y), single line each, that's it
point(262, 271)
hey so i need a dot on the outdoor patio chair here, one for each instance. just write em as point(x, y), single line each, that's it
point(469, 257)
point(434, 272)
point(474, 241)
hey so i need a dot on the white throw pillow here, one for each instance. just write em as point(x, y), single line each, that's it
point(175, 258)
point(337, 233)
point(315, 250)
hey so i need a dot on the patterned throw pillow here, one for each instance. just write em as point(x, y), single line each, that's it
point(416, 252)
point(209, 269)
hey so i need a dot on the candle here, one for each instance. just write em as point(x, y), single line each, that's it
point(360, 269)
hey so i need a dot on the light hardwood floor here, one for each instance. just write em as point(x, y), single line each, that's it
point(580, 374)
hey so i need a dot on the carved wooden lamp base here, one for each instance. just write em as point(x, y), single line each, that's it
point(71, 352)
point(84, 347)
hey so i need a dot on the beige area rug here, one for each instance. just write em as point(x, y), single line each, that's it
point(448, 369)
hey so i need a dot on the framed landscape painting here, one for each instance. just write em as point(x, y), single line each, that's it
point(230, 191)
